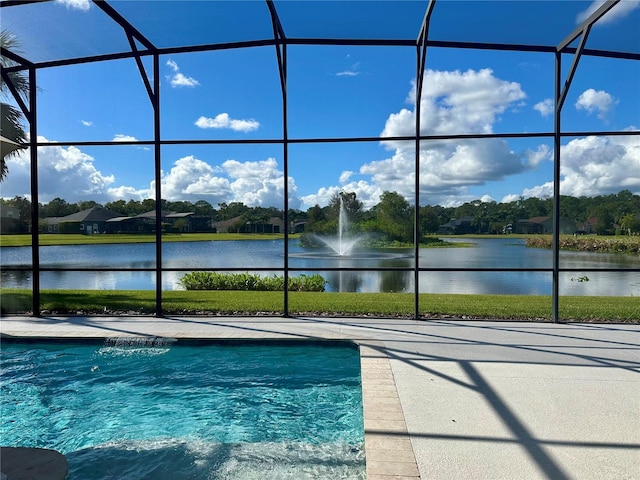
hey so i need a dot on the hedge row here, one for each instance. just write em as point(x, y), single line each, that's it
point(250, 281)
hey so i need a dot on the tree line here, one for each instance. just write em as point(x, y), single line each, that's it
point(392, 218)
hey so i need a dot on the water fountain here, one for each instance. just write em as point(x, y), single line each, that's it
point(346, 246)
point(342, 244)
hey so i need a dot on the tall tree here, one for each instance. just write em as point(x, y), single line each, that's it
point(394, 217)
point(181, 206)
point(118, 206)
point(630, 223)
point(431, 217)
point(87, 204)
point(11, 118)
point(58, 207)
point(232, 210)
point(202, 207)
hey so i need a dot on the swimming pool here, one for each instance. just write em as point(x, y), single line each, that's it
point(158, 409)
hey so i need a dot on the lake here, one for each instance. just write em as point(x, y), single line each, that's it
point(500, 253)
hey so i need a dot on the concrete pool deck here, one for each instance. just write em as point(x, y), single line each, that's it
point(454, 399)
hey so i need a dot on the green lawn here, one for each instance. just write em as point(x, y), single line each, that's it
point(24, 240)
point(141, 302)
point(79, 239)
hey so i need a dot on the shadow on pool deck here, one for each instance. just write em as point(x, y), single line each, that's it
point(453, 400)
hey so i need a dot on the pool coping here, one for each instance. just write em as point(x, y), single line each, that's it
point(388, 449)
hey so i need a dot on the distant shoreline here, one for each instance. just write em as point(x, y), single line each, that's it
point(590, 243)
point(585, 243)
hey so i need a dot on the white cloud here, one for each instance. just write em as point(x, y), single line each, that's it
point(596, 101)
point(69, 173)
point(87, 123)
point(254, 183)
point(345, 176)
point(618, 12)
point(541, 191)
point(347, 73)
point(83, 5)
point(594, 166)
point(191, 178)
point(260, 183)
point(125, 192)
point(322, 197)
point(512, 197)
point(367, 193)
point(600, 165)
point(536, 157)
point(222, 120)
point(453, 102)
point(64, 172)
point(350, 72)
point(178, 79)
point(173, 65)
point(119, 137)
point(545, 107)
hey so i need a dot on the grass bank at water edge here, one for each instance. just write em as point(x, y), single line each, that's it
point(141, 302)
point(46, 239)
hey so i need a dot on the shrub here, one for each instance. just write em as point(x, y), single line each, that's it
point(250, 281)
point(432, 241)
point(589, 243)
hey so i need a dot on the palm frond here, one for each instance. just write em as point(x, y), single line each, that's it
point(18, 79)
point(11, 118)
point(10, 124)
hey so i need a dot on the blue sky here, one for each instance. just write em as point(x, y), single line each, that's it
point(335, 91)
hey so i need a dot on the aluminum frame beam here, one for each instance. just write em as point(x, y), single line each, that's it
point(280, 41)
point(561, 91)
point(421, 62)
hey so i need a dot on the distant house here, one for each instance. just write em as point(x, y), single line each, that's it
point(189, 222)
point(9, 211)
point(238, 225)
point(141, 223)
point(589, 226)
point(544, 225)
point(87, 222)
point(298, 226)
point(146, 223)
point(10, 220)
point(130, 225)
point(49, 225)
point(275, 225)
point(534, 225)
point(457, 226)
point(230, 225)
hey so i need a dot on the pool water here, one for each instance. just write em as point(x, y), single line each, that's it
point(183, 410)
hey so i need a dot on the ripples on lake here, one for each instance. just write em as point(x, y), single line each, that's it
point(247, 255)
